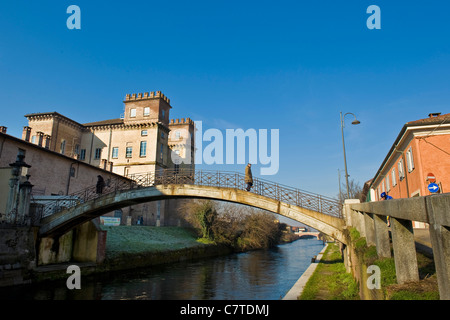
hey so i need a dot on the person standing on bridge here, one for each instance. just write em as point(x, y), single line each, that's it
point(248, 177)
point(100, 184)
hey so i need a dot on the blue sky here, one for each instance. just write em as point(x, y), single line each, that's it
point(287, 65)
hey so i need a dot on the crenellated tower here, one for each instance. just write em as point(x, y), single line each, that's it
point(147, 107)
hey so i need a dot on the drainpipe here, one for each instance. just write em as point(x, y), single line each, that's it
point(406, 175)
point(404, 170)
point(109, 144)
point(92, 143)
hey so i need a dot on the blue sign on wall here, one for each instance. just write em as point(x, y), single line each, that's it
point(433, 187)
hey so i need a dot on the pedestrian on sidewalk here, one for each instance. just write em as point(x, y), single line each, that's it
point(385, 196)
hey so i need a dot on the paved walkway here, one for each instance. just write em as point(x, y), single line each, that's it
point(422, 236)
point(297, 289)
point(423, 242)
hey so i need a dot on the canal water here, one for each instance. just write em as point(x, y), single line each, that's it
point(255, 275)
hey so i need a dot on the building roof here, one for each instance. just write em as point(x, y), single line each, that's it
point(433, 119)
point(103, 122)
point(51, 114)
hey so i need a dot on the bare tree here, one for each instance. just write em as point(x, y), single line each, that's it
point(238, 226)
point(354, 189)
point(201, 214)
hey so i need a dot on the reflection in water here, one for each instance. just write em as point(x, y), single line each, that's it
point(255, 275)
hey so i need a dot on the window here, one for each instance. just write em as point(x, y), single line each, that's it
point(401, 172)
point(132, 113)
point(33, 139)
point(146, 111)
point(382, 187)
point(129, 152)
point(115, 152)
point(77, 149)
point(144, 133)
point(161, 152)
point(63, 147)
point(388, 186)
point(162, 135)
point(143, 149)
point(98, 153)
point(394, 179)
point(410, 160)
point(163, 113)
point(177, 134)
point(83, 154)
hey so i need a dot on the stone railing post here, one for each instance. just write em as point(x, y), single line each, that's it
point(438, 208)
point(369, 228)
point(351, 217)
point(405, 257)
point(382, 236)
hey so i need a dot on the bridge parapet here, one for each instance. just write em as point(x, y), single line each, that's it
point(223, 179)
point(226, 179)
point(370, 218)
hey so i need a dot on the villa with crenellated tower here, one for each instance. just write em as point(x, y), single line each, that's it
point(140, 140)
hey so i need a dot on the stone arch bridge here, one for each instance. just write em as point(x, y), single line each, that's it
point(319, 212)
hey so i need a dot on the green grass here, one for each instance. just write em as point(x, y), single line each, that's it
point(387, 268)
point(425, 289)
point(137, 239)
point(330, 280)
point(410, 295)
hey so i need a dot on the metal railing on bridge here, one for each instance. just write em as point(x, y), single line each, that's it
point(222, 179)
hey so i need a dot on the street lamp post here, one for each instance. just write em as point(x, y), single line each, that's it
point(355, 122)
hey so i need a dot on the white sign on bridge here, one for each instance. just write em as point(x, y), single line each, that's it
point(110, 221)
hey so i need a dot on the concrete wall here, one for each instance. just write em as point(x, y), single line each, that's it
point(17, 254)
point(370, 220)
point(85, 243)
point(55, 250)
point(90, 243)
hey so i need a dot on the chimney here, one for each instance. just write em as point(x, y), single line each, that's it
point(3, 129)
point(47, 141)
point(26, 133)
point(40, 138)
point(432, 115)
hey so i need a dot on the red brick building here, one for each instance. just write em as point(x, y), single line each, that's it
point(420, 152)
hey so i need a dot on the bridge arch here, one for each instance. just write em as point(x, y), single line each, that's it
point(65, 220)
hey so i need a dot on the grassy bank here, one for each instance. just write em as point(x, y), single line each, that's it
point(424, 289)
point(330, 280)
point(129, 247)
point(140, 239)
